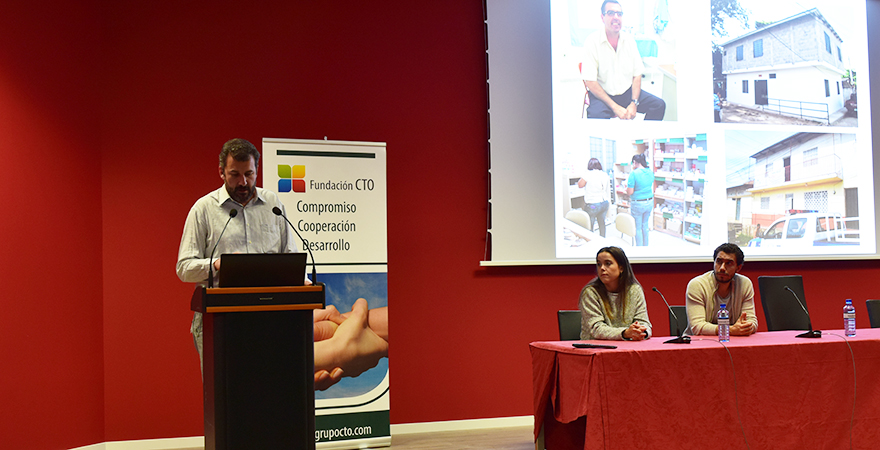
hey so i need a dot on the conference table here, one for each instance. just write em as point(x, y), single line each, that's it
point(770, 390)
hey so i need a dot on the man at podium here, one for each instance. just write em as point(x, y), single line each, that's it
point(253, 228)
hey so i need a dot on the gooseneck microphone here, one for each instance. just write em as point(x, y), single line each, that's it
point(681, 339)
point(809, 334)
point(305, 243)
point(232, 213)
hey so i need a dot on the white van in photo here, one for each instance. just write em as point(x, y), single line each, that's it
point(808, 228)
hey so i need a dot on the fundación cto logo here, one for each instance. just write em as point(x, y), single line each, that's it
point(291, 178)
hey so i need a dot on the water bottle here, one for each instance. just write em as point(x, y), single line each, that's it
point(849, 318)
point(723, 323)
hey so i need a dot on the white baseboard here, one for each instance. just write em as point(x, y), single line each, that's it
point(401, 428)
point(149, 444)
point(462, 425)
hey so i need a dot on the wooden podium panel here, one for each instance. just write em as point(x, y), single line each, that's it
point(259, 366)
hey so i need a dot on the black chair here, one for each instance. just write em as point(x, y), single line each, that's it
point(873, 312)
point(781, 308)
point(569, 325)
point(676, 328)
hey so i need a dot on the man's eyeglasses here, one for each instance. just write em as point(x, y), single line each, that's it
point(614, 13)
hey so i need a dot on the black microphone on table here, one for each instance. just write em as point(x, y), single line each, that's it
point(232, 213)
point(681, 339)
point(809, 334)
point(305, 243)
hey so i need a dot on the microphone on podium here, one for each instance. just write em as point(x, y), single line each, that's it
point(681, 339)
point(809, 334)
point(305, 243)
point(232, 213)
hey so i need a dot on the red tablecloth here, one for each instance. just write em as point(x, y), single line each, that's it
point(790, 393)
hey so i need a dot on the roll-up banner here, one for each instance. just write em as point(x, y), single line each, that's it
point(334, 195)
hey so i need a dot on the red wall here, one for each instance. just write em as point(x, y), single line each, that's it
point(51, 362)
point(175, 80)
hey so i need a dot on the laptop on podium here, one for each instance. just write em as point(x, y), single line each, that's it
point(262, 269)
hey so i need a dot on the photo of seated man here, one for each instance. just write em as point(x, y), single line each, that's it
point(612, 71)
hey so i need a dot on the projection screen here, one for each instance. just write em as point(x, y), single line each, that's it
point(785, 169)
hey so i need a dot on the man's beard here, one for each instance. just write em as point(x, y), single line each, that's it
point(242, 195)
point(718, 279)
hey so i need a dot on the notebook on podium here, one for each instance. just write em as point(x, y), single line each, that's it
point(262, 269)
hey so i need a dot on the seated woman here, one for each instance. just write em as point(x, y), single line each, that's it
point(613, 304)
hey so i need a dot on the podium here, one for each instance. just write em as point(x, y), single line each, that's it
point(259, 366)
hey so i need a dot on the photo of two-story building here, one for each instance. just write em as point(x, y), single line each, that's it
point(793, 189)
point(796, 67)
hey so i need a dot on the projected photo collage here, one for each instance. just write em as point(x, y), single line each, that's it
point(681, 125)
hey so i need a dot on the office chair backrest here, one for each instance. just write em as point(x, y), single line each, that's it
point(569, 325)
point(626, 224)
point(579, 217)
point(873, 312)
point(781, 309)
point(675, 328)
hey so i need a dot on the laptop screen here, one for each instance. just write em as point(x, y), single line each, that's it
point(264, 269)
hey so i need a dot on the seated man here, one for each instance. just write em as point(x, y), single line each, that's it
point(612, 70)
point(722, 285)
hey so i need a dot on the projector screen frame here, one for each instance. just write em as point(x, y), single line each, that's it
point(520, 110)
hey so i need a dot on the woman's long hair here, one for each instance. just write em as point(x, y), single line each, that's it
point(627, 278)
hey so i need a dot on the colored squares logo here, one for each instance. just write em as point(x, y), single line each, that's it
point(290, 178)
